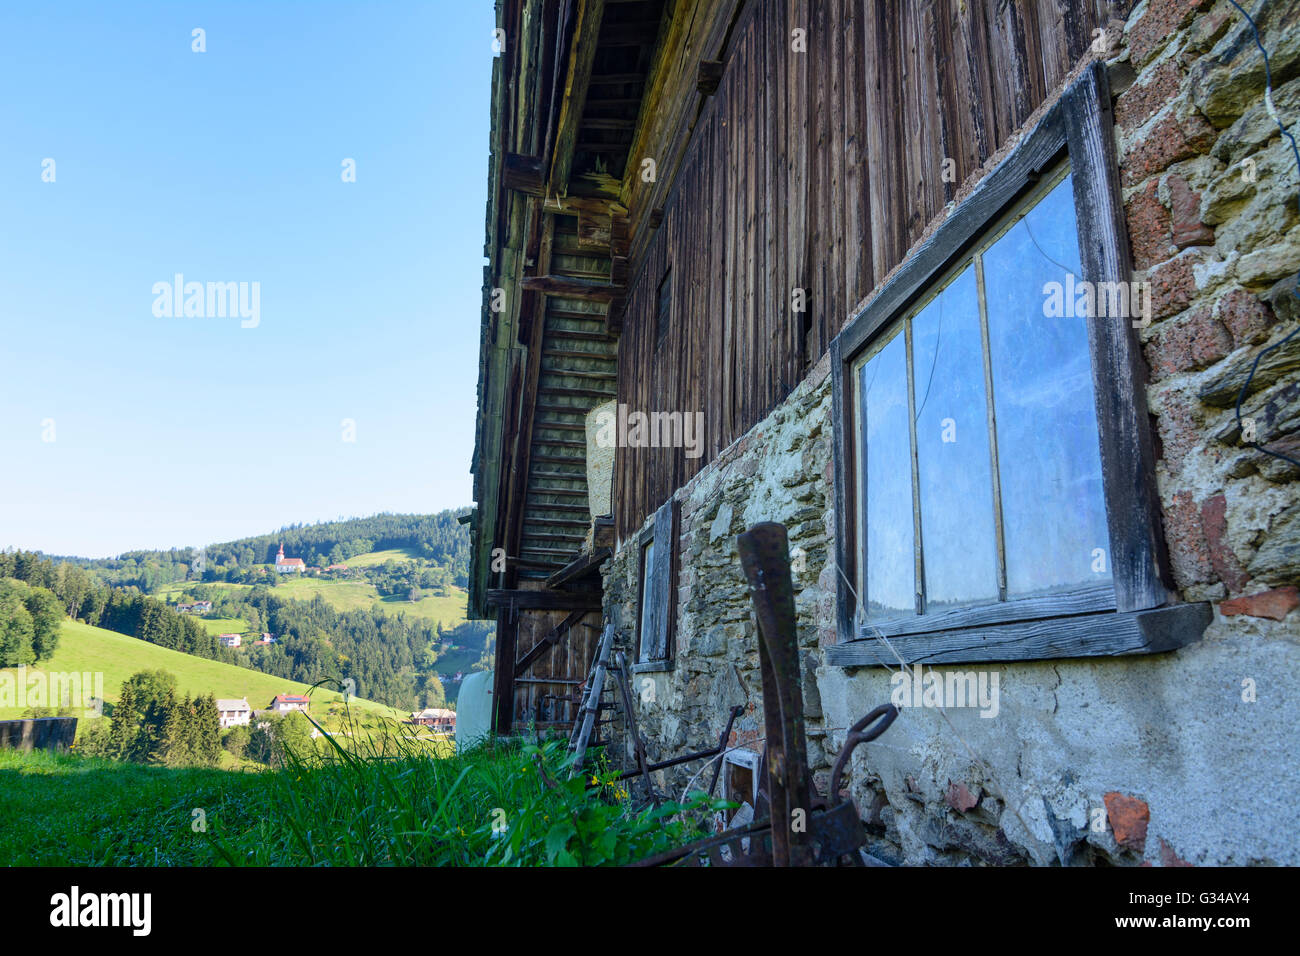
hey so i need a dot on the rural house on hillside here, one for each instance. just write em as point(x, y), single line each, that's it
point(284, 703)
point(234, 713)
point(965, 294)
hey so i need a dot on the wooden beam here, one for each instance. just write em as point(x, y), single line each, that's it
point(523, 174)
point(504, 687)
point(544, 600)
point(582, 53)
point(587, 290)
point(549, 641)
point(1089, 635)
point(586, 562)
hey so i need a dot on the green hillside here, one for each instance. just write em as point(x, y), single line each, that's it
point(345, 595)
point(86, 648)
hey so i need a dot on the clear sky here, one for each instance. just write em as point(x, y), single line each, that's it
point(227, 166)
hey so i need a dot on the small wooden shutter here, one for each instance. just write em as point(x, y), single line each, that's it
point(660, 580)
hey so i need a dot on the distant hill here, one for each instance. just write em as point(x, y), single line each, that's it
point(85, 648)
point(375, 615)
point(437, 539)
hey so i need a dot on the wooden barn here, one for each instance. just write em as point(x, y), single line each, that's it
point(792, 261)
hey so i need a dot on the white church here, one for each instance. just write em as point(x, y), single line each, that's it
point(285, 565)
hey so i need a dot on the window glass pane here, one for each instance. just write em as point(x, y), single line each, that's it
point(886, 486)
point(647, 566)
point(952, 445)
point(1053, 506)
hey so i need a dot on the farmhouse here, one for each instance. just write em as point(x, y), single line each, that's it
point(828, 234)
point(234, 713)
point(285, 565)
point(439, 719)
point(229, 640)
point(283, 703)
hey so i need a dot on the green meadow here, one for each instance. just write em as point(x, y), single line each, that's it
point(343, 595)
point(85, 648)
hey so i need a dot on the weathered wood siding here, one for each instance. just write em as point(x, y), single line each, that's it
point(816, 170)
point(559, 671)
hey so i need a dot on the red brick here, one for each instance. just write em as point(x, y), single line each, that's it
point(1128, 817)
point(1172, 287)
point(1195, 341)
point(1185, 211)
point(959, 798)
point(1161, 21)
point(1168, 141)
point(1189, 554)
point(1214, 522)
point(1142, 101)
point(1168, 857)
point(1148, 228)
point(1245, 316)
point(1275, 604)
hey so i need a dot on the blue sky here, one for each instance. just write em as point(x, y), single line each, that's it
point(226, 166)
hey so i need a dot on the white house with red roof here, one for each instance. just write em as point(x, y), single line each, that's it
point(283, 703)
point(287, 565)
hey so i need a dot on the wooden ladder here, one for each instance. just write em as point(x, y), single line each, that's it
point(591, 703)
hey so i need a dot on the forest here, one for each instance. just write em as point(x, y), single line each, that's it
point(438, 538)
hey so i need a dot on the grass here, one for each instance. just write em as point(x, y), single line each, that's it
point(117, 657)
point(224, 625)
point(344, 595)
point(173, 591)
point(375, 558)
point(391, 804)
point(59, 810)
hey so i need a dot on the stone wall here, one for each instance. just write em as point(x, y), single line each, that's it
point(1185, 757)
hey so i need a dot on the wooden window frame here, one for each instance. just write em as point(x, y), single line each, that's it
point(662, 575)
point(1144, 616)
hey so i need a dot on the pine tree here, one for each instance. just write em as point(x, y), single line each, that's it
point(170, 745)
point(122, 732)
point(210, 731)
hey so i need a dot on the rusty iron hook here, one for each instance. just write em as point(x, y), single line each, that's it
point(858, 734)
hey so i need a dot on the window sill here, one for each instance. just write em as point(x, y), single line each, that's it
point(652, 667)
point(1087, 635)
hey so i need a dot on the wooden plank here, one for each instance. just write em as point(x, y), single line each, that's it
point(582, 53)
point(523, 174)
point(503, 691)
point(544, 600)
point(584, 564)
point(587, 290)
point(547, 643)
point(1093, 635)
point(1080, 601)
